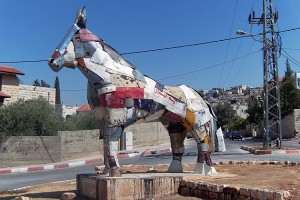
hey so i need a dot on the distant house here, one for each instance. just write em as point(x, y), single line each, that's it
point(68, 110)
point(11, 90)
point(84, 109)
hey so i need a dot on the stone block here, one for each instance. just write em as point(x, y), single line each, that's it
point(183, 183)
point(215, 188)
point(231, 190)
point(191, 184)
point(257, 194)
point(196, 193)
point(185, 191)
point(213, 195)
point(241, 197)
point(245, 192)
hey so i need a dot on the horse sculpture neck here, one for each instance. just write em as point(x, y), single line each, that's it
point(105, 65)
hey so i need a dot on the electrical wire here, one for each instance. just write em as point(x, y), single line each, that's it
point(208, 67)
point(160, 49)
point(227, 47)
point(191, 72)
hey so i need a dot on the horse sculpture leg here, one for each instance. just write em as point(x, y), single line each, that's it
point(204, 163)
point(177, 136)
point(111, 136)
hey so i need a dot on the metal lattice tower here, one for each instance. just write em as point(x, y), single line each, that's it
point(272, 111)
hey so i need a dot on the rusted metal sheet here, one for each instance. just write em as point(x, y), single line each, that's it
point(175, 92)
point(193, 101)
point(125, 81)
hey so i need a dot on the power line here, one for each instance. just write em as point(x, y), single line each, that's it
point(208, 67)
point(160, 49)
point(187, 73)
point(227, 47)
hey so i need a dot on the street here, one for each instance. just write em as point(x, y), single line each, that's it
point(233, 153)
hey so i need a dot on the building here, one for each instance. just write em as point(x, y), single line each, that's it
point(11, 90)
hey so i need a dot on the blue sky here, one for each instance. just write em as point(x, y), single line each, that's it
point(32, 29)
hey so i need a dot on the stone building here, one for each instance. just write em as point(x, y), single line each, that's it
point(11, 90)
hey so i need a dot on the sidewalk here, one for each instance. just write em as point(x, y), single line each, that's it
point(142, 151)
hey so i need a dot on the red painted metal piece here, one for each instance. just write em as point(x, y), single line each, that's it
point(86, 36)
point(116, 99)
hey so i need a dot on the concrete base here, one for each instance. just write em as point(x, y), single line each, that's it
point(130, 186)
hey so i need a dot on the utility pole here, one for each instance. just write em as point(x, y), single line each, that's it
point(272, 111)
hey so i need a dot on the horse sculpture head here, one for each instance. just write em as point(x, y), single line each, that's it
point(80, 46)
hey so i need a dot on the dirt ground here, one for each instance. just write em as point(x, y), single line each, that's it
point(260, 176)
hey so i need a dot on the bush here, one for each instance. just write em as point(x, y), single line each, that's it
point(32, 117)
point(85, 121)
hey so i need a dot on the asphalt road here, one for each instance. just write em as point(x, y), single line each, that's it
point(14, 181)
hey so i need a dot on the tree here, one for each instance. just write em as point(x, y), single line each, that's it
point(255, 111)
point(57, 94)
point(86, 121)
point(34, 117)
point(289, 95)
point(224, 113)
point(36, 83)
point(40, 84)
point(238, 123)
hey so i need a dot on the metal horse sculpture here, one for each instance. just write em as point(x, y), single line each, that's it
point(120, 96)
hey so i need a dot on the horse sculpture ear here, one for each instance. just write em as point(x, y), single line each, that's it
point(80, 19)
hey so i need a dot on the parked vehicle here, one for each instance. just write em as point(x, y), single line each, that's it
point(236, 135)
point(227, 135)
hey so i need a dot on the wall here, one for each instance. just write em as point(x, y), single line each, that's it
point(18, 151)
point(76, 144)
point(147, 134)
point(29, 149)
point(27, 92)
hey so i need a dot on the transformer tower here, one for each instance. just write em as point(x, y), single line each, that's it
point(272, 111)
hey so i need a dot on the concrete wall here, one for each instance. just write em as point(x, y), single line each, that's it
point(147, 134)
point(18, 151)
point(27, 92)
point(29, 149)
point(76, 144)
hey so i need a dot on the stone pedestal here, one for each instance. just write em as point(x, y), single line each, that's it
point(130, 186)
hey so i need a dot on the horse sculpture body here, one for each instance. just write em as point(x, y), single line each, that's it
point(120, 96)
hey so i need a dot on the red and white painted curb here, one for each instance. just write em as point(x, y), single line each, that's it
point(63, 165)
point(263, 152)
point(156, 152)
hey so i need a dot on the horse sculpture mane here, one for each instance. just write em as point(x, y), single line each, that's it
point(120, 96)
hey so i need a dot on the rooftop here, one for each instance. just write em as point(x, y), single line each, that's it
point(10, 70)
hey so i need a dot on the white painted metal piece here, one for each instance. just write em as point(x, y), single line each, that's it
point(149, 89)
point(170, 103)
point(175, 167)
point(204, 169)
point(221, 141)
point(107, 89)
point(193, 102)
point(117, 116)
point(203, 116)
point(99, 70)
point(129, 140)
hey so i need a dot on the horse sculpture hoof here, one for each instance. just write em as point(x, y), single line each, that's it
point(204, 169)
point(175, 167)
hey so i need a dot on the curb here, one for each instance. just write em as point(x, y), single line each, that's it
point(63, 165)
point(156, 152)
point(263, 152)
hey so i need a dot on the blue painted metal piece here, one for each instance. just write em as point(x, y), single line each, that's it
point(67, 39)
point(143, 104)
